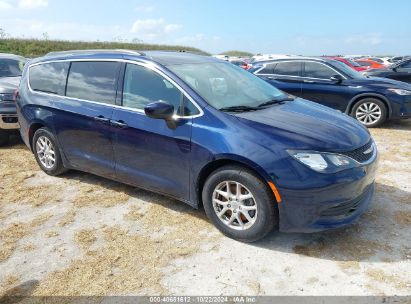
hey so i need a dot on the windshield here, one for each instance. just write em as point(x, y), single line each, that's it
point(225, 85)
point(11, 67)
point(346, 69)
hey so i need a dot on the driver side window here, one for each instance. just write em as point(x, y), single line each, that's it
point(318, 70)
point(143, 86)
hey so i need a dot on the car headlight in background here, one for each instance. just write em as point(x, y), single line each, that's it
point(400, 91)
point(6, 97)
point(323, 162)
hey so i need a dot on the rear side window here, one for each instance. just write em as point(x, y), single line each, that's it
point(288, 68)
point(49, 77)
point(268, 69)
point(94, 81)
point(318, 70)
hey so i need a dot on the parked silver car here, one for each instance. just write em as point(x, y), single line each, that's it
point(11, 67)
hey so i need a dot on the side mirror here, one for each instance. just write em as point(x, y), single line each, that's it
point(159, 110)
point(336, 78)
point(394, 69)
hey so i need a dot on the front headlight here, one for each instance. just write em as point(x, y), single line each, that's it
point(323, 162)
point(6, 97)
point(400, 91)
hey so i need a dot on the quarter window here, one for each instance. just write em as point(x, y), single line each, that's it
point(318, 70)
point(49, 77)
point(143, 86)
point(289, 68)
point(95, 81)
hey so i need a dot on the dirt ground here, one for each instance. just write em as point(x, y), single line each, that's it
point(83, 235)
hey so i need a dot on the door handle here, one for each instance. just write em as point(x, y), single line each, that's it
point(308, 81)
point(118, 124)
point(102, 119)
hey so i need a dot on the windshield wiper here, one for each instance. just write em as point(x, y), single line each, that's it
point(238, 109)
point(275, 101)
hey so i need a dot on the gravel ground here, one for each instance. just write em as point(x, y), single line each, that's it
point(83, 235)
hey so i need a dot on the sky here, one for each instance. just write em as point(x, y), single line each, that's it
point(305, 27)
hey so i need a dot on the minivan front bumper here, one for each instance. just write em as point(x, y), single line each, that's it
point(336, 205)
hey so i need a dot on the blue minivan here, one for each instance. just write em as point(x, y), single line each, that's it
point(202, 131)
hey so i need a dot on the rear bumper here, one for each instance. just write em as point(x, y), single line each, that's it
point(334, 206)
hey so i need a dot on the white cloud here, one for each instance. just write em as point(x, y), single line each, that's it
point(152, 29)
point(4, 5)
point(145, 8)
point(30, 4)
point(32, 28)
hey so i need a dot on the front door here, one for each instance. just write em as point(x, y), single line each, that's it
point(317, 86)
point(148, 152)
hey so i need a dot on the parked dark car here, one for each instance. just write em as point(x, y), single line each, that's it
point(202, 131)
point(399, 58)
point(370, 100)
point(398, 71)
point(11, 67)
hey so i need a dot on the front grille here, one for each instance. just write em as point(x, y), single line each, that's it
point(359, 155)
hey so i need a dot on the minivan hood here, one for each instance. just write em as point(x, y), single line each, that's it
point(302, 124)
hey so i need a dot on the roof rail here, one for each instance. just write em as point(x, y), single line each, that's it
point(94, 51)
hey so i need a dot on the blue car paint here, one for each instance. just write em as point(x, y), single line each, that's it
point(152, 156)
point(342, 96)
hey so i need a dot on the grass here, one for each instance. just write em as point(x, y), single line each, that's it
point(36, 47)
point(237, 53)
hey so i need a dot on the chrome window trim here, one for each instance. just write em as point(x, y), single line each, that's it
point(303, 77)
point(149, 65)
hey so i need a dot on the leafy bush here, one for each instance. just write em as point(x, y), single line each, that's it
point(37, 47)
point(237, 54)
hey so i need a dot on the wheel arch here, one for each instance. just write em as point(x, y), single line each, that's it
point(32, 129)
point(360, 97)
point(219, 162)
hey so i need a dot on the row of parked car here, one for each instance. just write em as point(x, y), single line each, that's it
point(211, 134)
point(309, 78)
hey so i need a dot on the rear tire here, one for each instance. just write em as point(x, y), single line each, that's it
point(371, 112)
point(233, 194)
point(47, 153)
point(4, 137)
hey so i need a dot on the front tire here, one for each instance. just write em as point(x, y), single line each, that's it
point(239, 204)
point(371, 112)
point(47, 153)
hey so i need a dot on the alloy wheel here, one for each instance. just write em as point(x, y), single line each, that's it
point(368, 113)
point(46, 152)
point(234, 205)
